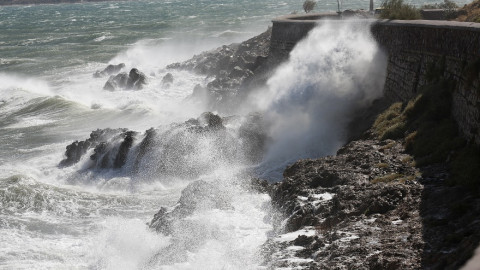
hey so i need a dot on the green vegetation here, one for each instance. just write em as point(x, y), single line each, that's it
point(309, 5)
point(397, 10)
point(428, 130)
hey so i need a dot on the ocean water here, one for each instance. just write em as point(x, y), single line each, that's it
point(74, 218)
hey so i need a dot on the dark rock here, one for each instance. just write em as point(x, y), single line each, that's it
point(211, 120)
point(109, 70)
point(118, 81)
point(197, 194)
point(123, 150)
point(135, 80)
point(77, 149)
point(341, 199)
point(167, 79)
point(234, 68)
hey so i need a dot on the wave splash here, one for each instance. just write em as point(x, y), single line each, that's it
point(311, 99)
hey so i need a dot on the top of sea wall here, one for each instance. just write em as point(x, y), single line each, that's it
point(458, 39)
point(447, 38)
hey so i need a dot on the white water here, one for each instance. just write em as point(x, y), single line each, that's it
point(310, 99)
point(46, 222)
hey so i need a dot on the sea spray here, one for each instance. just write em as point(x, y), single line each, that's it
point(309, 101)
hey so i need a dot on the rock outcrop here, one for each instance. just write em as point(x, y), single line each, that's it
point(76, 150)
point(236, 68)
point(134, 80)
point(196, 195)
point(369, 207)
point(356, 210)
point(182, 150)
point(109, 70)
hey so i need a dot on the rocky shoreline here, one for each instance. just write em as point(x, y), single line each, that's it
point(368, 207)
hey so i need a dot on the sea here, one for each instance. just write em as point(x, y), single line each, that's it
point(54, 217)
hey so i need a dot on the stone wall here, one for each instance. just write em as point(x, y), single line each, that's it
point(419, 48)
point(414, 49)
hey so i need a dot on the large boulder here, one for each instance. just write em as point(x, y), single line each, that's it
point(134, 80)
point(167, 79)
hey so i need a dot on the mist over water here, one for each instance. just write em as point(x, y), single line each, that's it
point(90, 217)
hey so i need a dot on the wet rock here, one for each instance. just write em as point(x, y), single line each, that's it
point(113, 152)
point(118, 81)
point(109, 70)
point(199, 194)
point(123, 150)
point(75, 151)
point(211, 120)
point(354, 212)
point(234, 68)
point(167, 79)
point(134, 80)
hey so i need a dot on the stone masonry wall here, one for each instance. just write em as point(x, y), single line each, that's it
point(414, 48)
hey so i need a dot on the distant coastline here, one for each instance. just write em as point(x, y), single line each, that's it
point(41, 2)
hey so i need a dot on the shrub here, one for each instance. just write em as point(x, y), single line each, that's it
point(397, 10)
point(390, 124)
point(429, 132)
point(309, 5)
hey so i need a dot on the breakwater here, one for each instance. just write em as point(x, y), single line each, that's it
point(416, 50)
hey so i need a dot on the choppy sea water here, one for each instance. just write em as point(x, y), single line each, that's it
point(49, 98)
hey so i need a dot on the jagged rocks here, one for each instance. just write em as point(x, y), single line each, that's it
point(233, 67)
point(211, 120)
point(356, 210)
point(76, 150)
point(180, 150)
point(199, 194)
point(167, 79)
point(134, 80)
point(109, 70)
